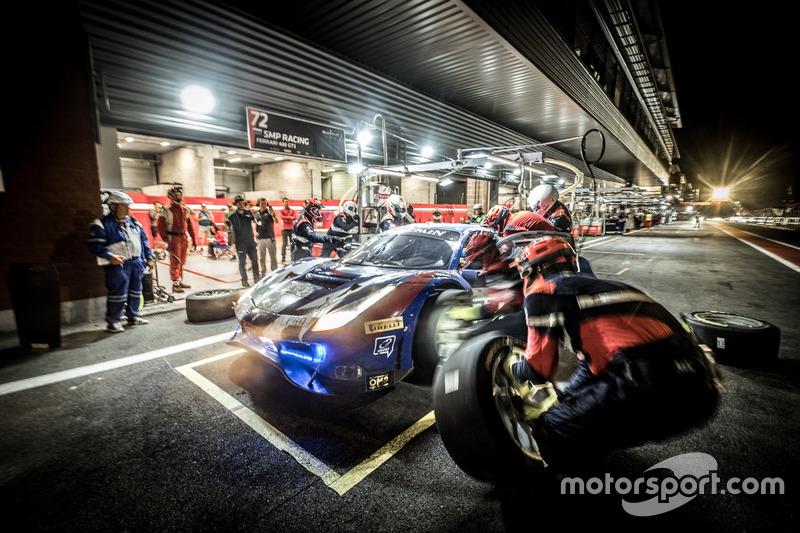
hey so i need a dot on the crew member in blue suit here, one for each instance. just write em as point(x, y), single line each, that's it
point(122, 248)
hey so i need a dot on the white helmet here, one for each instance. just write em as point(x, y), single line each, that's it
point(117, 197)
point(396, 205)
point(350, 208)
point(542, 198)
point(477, 206)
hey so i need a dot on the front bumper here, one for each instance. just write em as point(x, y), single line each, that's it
point(300, 363)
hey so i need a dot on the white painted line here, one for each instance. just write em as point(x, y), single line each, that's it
point(762, 250)
point(340, 483)
point(55, 377)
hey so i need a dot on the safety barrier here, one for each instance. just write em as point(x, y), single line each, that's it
point(786, 222)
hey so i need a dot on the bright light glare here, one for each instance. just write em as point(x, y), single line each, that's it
point(427, 151)
point(197, 99)
point(721, 193)
point(364, 137)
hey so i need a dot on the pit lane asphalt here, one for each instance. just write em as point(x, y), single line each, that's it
point(187, 437)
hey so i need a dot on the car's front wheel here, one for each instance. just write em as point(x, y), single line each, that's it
point(478, 414)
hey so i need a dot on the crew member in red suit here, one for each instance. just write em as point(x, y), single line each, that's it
point(175, 228)
point(642, 375)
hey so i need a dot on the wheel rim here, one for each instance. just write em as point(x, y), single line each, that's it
point(727, 319)
point(213, 292)
point(509, 404)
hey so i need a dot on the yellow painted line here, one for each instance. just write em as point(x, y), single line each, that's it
point(354, 476)
point(340, 483)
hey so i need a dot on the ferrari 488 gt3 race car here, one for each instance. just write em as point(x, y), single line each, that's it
point(360, 323)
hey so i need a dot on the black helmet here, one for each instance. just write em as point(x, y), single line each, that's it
point(173, 193)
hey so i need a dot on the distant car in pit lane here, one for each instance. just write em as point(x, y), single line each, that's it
point(357, 324)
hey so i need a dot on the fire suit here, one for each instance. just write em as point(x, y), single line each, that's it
point(343, 226)
point(128, 239)
point(643, 375)
point(175, 229)
point(559, 216)
point(304, 237)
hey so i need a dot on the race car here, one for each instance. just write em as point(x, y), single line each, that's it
point(357, 324)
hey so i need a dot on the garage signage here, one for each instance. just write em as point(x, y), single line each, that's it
point(278, 133)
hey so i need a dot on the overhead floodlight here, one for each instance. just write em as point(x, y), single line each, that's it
point(445, 182)
point(427, 152)
point(476, 154)
point(364, 137)
point(198, 99)
point(356, 169)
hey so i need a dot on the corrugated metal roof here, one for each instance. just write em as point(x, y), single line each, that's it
point(346, 60)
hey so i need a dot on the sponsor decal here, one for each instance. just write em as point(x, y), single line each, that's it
point(379, 326)
point(290, 320)
point(378, 382)
point(384, 346)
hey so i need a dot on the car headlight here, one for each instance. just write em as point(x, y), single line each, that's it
point(343, 315)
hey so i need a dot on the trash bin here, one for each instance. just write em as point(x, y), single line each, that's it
point(35, 291)
point(147, 286)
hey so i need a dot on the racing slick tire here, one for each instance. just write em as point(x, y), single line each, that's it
point(736, 339)
point(211, 305)
point(481, 428)
point(426, 347)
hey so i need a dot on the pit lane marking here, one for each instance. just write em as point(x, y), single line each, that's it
point(340, 483)
point(55, 377)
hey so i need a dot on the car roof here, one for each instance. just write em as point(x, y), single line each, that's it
point(463, 229)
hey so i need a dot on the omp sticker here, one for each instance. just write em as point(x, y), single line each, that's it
point(379, 326)
point(378, 382)
point(384, 346)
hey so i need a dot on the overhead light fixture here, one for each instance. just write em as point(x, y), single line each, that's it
point(234, 160)
point(445, 182)
point(364, 137)
point(427, 151)
point(164, 143)
point(475, 154)
point(129, 139)
point(198, 99)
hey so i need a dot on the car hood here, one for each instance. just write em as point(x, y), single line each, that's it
point(314, 287)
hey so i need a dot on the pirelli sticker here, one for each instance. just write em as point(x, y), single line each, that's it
point(379, 326)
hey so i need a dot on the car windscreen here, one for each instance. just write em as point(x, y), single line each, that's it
point(404, 250)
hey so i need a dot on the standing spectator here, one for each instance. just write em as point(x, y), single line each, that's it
point(345, 224)
point(478, 215)
point(411, 217)
point(176, 229)
point(241, 222)
point(120, 243)
point(204, 221)
point(303, 234)
point(266, 219)
point(437, 216)
point(620, 223)
point(154, 220)
point(231, 235)
point(287, 218)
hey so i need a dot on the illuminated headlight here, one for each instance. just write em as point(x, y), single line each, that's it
point(343, 315)
point(306, 351)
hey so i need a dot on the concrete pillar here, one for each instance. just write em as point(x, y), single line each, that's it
point(297, 180)
point(108, 159)
point(193, 167)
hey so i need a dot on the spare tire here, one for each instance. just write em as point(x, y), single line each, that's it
point(211, 304)
point(736, 339)
point(476, 415)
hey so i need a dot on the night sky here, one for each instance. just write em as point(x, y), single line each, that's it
point(736, 95)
